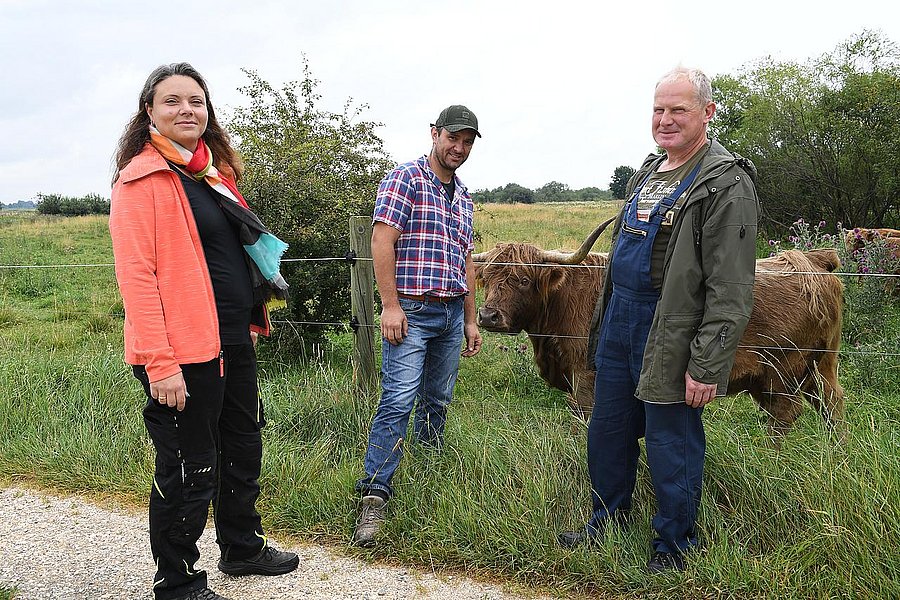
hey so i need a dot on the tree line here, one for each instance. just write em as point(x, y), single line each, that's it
point(19, 205)
point(553, 191)
point(72, 206)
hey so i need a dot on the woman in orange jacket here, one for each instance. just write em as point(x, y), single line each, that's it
point(194, 267)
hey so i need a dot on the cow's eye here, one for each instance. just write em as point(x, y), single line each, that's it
point(524, 281)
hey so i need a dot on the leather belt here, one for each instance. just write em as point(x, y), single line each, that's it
point(426, 298)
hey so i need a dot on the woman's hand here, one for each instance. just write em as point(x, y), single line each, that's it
point(170, 391)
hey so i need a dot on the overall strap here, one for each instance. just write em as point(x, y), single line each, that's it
point(667, 202)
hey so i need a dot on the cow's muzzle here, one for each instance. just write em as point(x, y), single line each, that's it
point(492, 319)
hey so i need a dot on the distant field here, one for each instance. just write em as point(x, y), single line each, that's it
point(815, 520)
point(562, 225)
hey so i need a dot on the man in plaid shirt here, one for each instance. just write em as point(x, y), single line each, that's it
point(422, 249)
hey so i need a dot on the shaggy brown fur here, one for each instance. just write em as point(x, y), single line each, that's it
point(789, 349)
point(858, 237)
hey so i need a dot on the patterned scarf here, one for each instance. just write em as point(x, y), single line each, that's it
point(264, 248)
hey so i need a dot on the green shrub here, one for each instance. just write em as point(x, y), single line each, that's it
point(308, 171)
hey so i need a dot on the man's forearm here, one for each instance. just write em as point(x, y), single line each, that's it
point(385, 264)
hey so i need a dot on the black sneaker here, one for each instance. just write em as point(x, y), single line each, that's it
point(202, 594)
point(574, 539)
point(268, 562)
point(665, 561)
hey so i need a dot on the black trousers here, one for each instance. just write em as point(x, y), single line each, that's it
point(210, 452)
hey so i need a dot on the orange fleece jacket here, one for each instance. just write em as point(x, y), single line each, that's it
point(170, 310)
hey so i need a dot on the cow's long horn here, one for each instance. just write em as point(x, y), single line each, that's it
point(576, 257)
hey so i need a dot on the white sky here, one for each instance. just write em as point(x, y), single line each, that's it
point(562, 89)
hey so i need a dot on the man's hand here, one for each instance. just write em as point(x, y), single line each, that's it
point(170, 391)
point(473, 340)
point(697, 394)
point(394, 326)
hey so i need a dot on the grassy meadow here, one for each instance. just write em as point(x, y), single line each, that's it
point(817, 519)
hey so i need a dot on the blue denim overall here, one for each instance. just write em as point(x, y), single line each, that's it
point(675, 440)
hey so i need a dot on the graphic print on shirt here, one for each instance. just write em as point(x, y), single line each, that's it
point(659, 186)
point(663, 184)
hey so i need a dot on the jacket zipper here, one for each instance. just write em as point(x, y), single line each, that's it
point(634, 230)
point(722, 337)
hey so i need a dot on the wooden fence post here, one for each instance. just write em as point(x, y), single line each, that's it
point(362, 304)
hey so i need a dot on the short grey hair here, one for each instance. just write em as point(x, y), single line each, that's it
point(697, 78)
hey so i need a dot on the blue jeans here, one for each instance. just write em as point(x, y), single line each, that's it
point(419, 372)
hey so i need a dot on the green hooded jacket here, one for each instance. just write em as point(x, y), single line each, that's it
point(707, 287)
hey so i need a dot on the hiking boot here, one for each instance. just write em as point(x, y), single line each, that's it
point(268, 562)
point(371, 517)
point(202, 594)
point(666, 561)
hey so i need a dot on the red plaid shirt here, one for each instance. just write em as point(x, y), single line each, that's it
point(435, 233)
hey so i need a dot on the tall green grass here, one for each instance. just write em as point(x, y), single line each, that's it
point(817, 519)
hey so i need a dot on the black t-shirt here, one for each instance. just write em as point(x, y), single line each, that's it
point(450, 188)
point(225, 260)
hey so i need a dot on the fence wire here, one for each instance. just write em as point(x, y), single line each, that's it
point(584, 337)
point(350, 258)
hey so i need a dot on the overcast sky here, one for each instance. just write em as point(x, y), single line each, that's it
point(562, 89)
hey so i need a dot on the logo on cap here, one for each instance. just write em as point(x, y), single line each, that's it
point(456, 118)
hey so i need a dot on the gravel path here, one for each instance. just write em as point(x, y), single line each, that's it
point(69, 549)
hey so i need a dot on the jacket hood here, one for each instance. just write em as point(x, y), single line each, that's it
point(718, 160)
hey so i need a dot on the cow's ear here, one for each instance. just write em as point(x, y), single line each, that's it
point(557, 277)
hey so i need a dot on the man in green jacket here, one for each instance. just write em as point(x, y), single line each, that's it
point(676, 299)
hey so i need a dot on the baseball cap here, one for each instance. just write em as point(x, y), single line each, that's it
point(456, 118)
